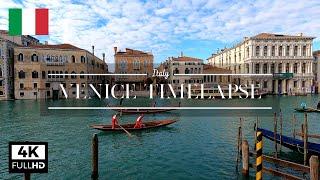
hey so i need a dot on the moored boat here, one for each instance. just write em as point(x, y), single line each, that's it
point(129, 127)
point(291, 143)
point(307, 110)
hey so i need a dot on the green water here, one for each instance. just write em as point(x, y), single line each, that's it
point(196, 147)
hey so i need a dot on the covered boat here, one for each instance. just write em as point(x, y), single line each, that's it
point(291, 143)
point(129, 127)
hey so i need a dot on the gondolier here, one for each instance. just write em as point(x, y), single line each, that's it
point(139, 122)
point(114, 121)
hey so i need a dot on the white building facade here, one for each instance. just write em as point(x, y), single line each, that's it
point(288, 58)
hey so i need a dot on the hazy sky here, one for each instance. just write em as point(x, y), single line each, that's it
point(167, 27)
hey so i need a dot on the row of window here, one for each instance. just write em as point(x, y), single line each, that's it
point(58, 59)
point(295, 84)
point(279, 68)
point(55, 74)
point(281, 49)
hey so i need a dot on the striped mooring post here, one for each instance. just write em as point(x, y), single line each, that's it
point(259, 156)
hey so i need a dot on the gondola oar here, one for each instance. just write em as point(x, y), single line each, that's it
point(129, 134)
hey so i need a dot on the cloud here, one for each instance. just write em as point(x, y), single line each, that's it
point(161, 25)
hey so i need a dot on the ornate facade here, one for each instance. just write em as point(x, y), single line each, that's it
point(287, 58)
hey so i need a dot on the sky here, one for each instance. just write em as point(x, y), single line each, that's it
point(168, 27)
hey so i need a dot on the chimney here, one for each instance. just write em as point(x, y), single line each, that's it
point(115, 50)
point(45, 42)
point(93, 50)
point(181, 54)
point(104, 57)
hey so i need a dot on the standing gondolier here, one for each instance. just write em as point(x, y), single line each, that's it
point(114, 121)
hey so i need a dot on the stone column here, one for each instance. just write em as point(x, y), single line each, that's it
point(300, 68)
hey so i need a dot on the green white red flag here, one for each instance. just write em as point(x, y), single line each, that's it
point(28, 21)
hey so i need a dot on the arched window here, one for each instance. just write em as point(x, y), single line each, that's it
point(295, 68)
point(176, 71)
point(83, 59)
point(0, 71)
point(35, 74)
point(60, 59)
point(265, 51)
point(72, 75)
point(34, 58)
point(53, 74)
point(257, 50)
point(280, 51)
point(57, 74)
point(66, 76)
point(280, 68)
point(1, 93)
point(73, 59)
point(81, 76)
point(48, 58)
point(20, 57)
point(49, 76)
point(61, 76)
point(186, 71)
point(22, 74)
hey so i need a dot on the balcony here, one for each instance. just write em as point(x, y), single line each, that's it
point(55, 63)
point(282, 76)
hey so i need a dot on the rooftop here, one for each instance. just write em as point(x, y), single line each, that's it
point(215, 70)
point(279, 36)
point(56, 46)
point(185, 58)
point(129, 51)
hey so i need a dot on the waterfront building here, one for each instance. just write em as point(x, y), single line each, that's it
point(287, 57)
point(183, 65)
point(133, 61)
point(35, 63)
point(316, 71)
point(7, 45)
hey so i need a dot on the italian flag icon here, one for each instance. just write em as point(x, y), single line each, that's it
point(28, 21)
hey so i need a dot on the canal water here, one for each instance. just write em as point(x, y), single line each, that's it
point(196, 147)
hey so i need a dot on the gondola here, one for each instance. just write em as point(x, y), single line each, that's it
point(291, 143)
point(142, 111)
point(129, 127)
point(307, 110)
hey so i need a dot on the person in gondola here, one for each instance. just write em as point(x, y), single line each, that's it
point(114, 121)
point(139, 124)
point(318, 106)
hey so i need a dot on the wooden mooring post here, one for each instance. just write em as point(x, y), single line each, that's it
point(314, 168)
point(245, 158)
point(305, 139)
point(259, 146)
point(294, 120)
point(27, 176)
point(95, 152)
point(239, 143)
point(280, 138)
point(275, 135)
